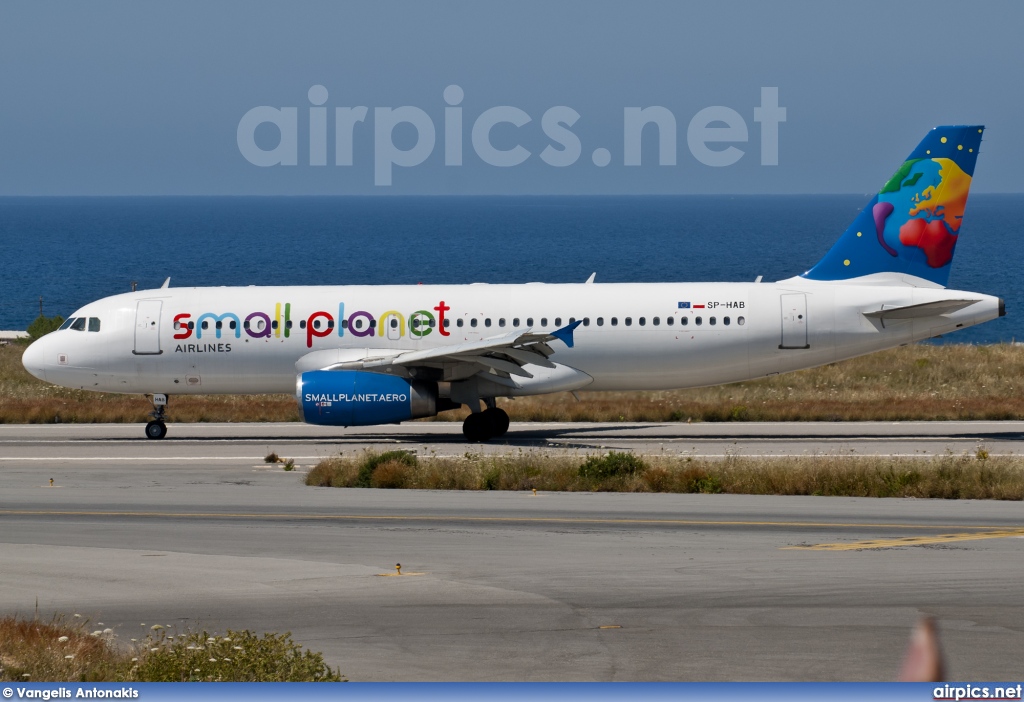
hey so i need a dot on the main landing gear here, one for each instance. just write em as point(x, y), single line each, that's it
point(156, 429)
point(489, 424)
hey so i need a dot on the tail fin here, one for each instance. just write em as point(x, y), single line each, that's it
point(911, 226)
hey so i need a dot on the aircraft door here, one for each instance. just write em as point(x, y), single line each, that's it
point(794, 321)
point(147, 327)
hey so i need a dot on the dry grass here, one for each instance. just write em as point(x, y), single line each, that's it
point(64, 650)
point(31, 651)
point(947, 477)
point(910, 383)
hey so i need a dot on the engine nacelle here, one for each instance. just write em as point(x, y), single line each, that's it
point(358, 398)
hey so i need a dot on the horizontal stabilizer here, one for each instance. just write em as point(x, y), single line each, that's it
point(925, 309)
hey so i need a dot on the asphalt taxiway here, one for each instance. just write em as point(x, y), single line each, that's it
point(195, 530)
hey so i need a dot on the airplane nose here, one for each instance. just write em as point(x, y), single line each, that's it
point(32, 359)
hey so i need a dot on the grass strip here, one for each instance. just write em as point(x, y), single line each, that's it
point(978, 477)
point(920, 382)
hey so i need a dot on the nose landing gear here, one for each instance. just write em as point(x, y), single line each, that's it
point(156, 429)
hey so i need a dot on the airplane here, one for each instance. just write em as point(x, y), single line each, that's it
point(375, 354)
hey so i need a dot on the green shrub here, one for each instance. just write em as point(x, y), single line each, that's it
point(613, 465)
point(64, 650)
point(699, 480)
point(238, 656)
point(372, 460)
point(43, 325)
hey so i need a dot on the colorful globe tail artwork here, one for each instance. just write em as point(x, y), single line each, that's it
point(912, 225)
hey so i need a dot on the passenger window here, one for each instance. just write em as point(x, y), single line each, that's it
point(316, 323)
point(529, 321)
point(220, 325)
point(344, 324)
point(515, 322)
point(629, 321)
point(447, 323)
point(642, 321)
point(94, 324)
point(431, 323)
point(712, 321)
point(572, 320)
point(600, 321)
point(302, 324)
point(206, 325)
point(330, 324)
point(501, 322)
point(472, 322)
point(725, 321)
point(669, 320)
point(359, 323)
point(233, 324)
point(741, 321)
point(394, 323)
point(615, 321)
point(487, 322)
point(684, 320)
point(245, 324)
point(558, 321)
point(67, 323)
point(177, 326)
point(459, 323)
point(656, 321)
point(78, 324)
point(273, 325)
point(543, 321)
point(697, 321)
point(191, 325)
point(287, 325)
point(586, 321)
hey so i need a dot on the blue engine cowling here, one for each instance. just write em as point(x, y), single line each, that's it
point(359, 398)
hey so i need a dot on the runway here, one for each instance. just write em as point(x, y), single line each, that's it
point(243, 443)
point(196, 530)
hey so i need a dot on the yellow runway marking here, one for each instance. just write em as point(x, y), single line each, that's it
point(460, 518)
point(910, 541)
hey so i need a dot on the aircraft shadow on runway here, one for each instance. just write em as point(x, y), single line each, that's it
point(591, 436)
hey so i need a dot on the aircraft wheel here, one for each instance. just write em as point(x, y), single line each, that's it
point(156, 430)
point(476, 428)
point(497, 421)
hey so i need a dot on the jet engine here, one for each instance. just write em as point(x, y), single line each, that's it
point(360, 398)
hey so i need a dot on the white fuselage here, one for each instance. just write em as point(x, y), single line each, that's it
point(634, 336)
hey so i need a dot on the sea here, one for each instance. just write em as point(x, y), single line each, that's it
point(73, 250)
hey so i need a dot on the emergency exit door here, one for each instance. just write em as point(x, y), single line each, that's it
point(794, 321)
point(147, 327)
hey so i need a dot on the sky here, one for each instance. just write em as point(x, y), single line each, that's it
point(156, 98)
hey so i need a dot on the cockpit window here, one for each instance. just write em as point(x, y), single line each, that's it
point(78, 324)
point(67, 323)
point(94, 324)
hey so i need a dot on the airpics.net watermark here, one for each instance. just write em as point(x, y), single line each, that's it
point(711, 135)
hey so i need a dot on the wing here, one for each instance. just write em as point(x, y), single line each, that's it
point(497, 358)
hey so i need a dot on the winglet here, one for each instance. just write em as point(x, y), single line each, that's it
point(591, 278)
point(167, 283)
point(565, 333)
